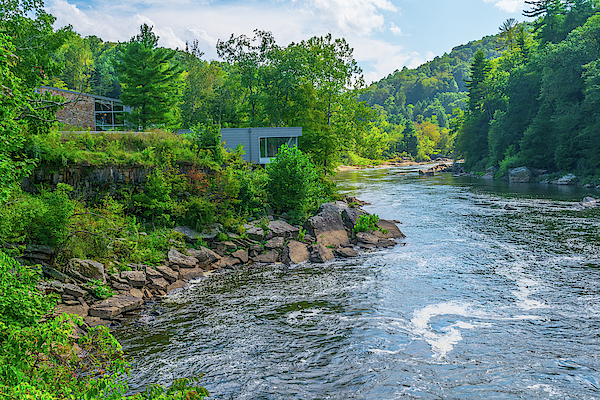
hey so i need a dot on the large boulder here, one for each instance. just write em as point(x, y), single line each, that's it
point(134, 278)
point(350, 215)
point(187, 274)
point(188, 233)
point(180, 260)
point(73, 290)
point(203, 255)
point(519, 175)
point(327, 226)
point(393, 232)
point(115, 306)
point(346, 252)
point(568, 179)
point(241, 255)
point(167, 273)
point(275, 243)
point(89, 269)
point(268, 257)
point(368, 238)
point(282, 229)
point(320, 254)
point(255, 233)
point(295, 253)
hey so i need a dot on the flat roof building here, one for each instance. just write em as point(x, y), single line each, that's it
point(98, 113)
point(260, 144)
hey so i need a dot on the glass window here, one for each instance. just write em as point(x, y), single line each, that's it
point(118, 107)
point(270, 146)
point(119, 119)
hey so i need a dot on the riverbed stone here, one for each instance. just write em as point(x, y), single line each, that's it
point(115, 306)
point(268, 257)
point(569, 179)
point(275, 243)
point(167, 273)
point(282, 229)
point(73, 290)
point(519, 175)
point(152, 273)
point(393, 232)
point(136, 293)
point(134, 278)
point(203, 255)
point(295, 253)
point(187, 274)
point(346, 252)
point(53, 273)
point(160, 283)
point(241, 254)
point(181, 260)
point(255, 250)
point(76, 308)
point(327, 226)
point(365, 237)
point(189, 235)
point(88, 268)
point(176, 285)
point(320, 254)
point(385, 243)
point(256, 233)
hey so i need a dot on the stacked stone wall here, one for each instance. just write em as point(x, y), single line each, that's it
point(78, 113)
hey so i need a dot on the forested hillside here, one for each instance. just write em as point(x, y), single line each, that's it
point(538, 104)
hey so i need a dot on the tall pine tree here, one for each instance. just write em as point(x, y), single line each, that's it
point(151, 80)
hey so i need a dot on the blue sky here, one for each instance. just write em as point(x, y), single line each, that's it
point(386, 34)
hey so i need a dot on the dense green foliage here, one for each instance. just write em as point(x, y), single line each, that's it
point(537, 104)
point(150, 81)
point(293, 183)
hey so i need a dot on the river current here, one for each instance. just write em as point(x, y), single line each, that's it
point(479, 302)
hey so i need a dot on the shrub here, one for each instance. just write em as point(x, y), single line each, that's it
point(199, 213)
point(293, 183)
point(366, 223)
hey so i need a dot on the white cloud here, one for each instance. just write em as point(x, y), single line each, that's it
point(396, 31)
point(510, 6)
point(359, 17)
point(179, 21)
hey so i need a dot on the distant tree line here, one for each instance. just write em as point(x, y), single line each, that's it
point(538, 104)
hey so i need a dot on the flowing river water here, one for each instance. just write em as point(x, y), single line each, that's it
point(480, 302)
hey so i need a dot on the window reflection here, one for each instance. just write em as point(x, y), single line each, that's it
point(270, 146)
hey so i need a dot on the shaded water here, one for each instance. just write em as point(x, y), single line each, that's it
point(481, 302)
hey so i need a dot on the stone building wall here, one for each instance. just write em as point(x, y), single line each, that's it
point(79, 113)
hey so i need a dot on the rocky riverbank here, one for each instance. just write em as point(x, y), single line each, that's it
point(328, 235)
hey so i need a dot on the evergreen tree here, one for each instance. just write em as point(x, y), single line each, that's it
point(151, 80)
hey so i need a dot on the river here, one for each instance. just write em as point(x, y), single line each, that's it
point(479, 302)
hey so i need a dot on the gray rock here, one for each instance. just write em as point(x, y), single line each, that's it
point(284, 230)
point(180, 259)
point(115, 306)
point(350, 216)
point(229, 246)
point(73, 290)
point(190, 235)
point(187, 274)
point(231, 261)
point(203, 255)
point(519, 175)
point(256, 233)
point(134, 278)
point(88, 268)
point(72, 308)
point(152, 273)
point(295, 253)
point(393, 232)
point(269, 257)
point(568, 179)
point(320, 254)
point(159, 283)
point(327, 226)
point(255, 250)
point(120, 286)
point(366, 245)
point(368, 238)
point(136, 293)
point(167, 273)
point(384, 243)
point(346, 252)
point(52, 273)
point(241, 254)
point(275, 243)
